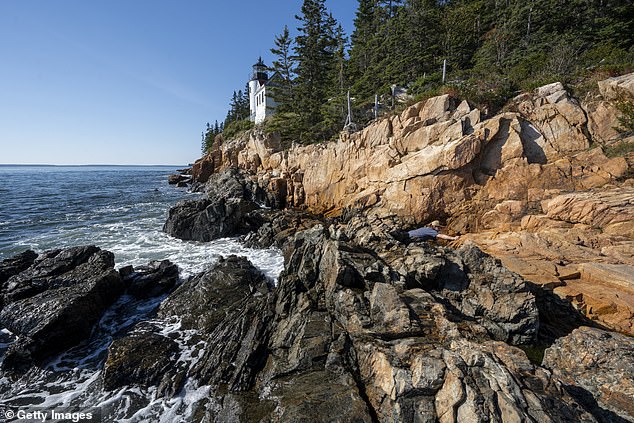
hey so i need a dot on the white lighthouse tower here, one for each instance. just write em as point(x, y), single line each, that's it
point(261, 105)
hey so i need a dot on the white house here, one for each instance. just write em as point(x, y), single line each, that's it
point(261, 103)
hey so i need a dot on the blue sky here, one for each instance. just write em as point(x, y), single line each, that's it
point(128, 81)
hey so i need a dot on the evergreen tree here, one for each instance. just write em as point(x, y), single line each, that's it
point(284, 66)
point(209, 136)
point(363, 39)
point(286, 118)
point(315, 47)
point(334, 111)
point(493, 48)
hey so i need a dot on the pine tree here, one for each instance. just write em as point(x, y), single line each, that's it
point(286, 119)
point(284, 66)
point(363, 38)
point(334, 111)
point(314, 48)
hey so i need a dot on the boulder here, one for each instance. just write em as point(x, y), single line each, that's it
point(154, 279)
point(598, 368)
point(229, 199)
point(176, 179)
point(202, 169)
point(16, 264)
point(202, 301)
point(55, 303)
point(141, 359)
point(617, 87)
point(558, 117)
point(603, 121)
point(498, 299)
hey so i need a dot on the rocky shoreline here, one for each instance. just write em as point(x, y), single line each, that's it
point(363, 325)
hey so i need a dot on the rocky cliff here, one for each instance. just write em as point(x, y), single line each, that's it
point(511, 324)
point(531, 186)
point(360, 328)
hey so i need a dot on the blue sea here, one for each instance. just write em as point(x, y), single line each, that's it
point(118, 208)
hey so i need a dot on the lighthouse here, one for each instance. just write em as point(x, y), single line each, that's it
point(261, 104)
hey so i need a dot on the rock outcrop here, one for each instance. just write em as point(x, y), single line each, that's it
point(218, 215)
point(154, 279)
point(54, 303)
point(381, 329)
point(14, 265)
point(360, 326)
point(532, 184)
point(599, 365)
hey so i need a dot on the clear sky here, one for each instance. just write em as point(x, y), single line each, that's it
point(128, 81)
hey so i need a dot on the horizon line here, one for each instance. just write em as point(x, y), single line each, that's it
point(90, 164)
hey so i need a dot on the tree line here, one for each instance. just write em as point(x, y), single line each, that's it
point(492, 48)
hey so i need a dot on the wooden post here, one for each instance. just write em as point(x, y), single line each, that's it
point(444, 70)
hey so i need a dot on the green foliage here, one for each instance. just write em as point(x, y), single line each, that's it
point(238, 107)
point(620, 149)
point(236, 128)
point(626, 120)
point(288, 124)
point(284, 66)
point(494, 50)
point(316, 48)
point(209, 136)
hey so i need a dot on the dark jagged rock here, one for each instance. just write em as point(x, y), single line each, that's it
point(231, 305)
point(476, 286)
point(268, 227)
point(16, 264)
point(497, 298)
point(178, 178)
point(157, 278)
point(343, 312)
point(385, 330)
point(141, 359)
point(203, 301)
point(233, 183)
point(229, 198)
point(54, 304)
point(598, 368)
point(45, 271)
point(203, 220)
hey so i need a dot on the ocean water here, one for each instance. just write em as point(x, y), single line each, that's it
point(120, 209)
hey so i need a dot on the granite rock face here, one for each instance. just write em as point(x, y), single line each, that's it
point(426, 162)
point(525, 184)
point(599, 365)
point(360, 326)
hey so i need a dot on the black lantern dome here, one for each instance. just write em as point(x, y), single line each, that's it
point(260, 71)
